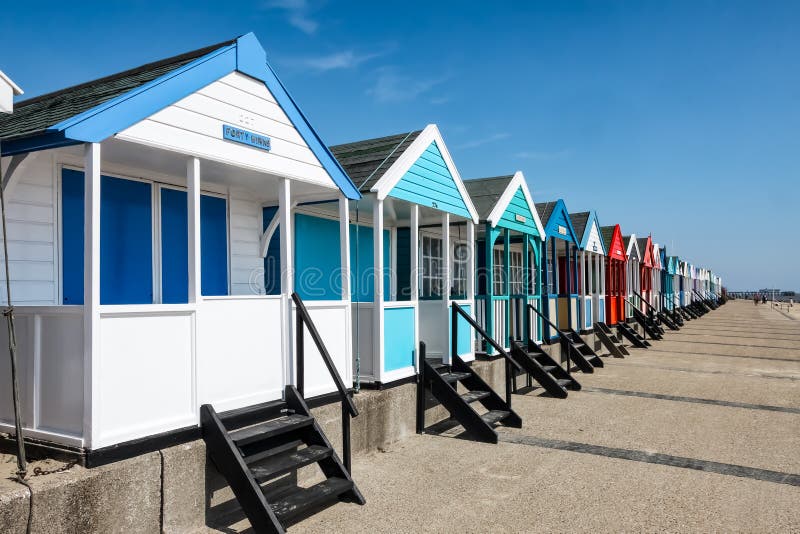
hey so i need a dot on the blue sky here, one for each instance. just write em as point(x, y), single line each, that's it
point(680, 119)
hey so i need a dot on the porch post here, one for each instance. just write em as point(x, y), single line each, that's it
point(471, 264)
point(507, 283)
point(193, 213)
point(526, 280)
point(287, 275)
point(445, 263)
point(582, 291)
point(414, 278)
point(91, 289)
point(344, 245)
point(377, 262)
point(568, 284)
point(490, 235)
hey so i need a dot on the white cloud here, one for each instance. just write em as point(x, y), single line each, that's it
point(484, 140)
point(394, 87)
point(298, 13)
point(347, 59)
point(543, 155)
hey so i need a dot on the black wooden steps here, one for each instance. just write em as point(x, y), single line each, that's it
point(268, 429)
point(632, 335)
point(252, 447)
point(304, 500)
point(542, 368)
point(473, 396)
point(667, 320)
point(288, 461)
point(584, 357)
point(494, 417)
point(649, 326)
point(610, 340)
point(443, 382)
point(452, 378)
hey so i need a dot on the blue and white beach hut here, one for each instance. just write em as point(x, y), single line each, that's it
point(415, 225)
point(136, 209)
point(591, 269)
point(559, 268)
point(508, 245)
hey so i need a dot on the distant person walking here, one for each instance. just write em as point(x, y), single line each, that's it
point(764, 299)
point(755, 299)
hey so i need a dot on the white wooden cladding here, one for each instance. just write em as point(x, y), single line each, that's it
point(158, 363)
point(193, 125)
point(50, 365)
point(32, 233)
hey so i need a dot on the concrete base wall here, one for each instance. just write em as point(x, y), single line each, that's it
point(178, 490)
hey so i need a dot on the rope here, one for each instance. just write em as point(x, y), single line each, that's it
point(22, 466)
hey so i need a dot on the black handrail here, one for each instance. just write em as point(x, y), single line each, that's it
point(561, 337)
point(456, 310)
point(303, 319)
point(635, 311)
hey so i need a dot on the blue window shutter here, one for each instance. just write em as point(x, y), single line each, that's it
point(272, 260)
point(214, 245)
point(174, 247)
point(72, 236)
point(126, 235)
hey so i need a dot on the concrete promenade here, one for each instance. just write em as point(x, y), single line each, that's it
point(699, 433)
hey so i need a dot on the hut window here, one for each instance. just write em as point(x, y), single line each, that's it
point(499, 272)
point(431, 267)
point(460, 266)
point(515, 272)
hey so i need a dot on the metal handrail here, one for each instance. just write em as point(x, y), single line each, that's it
point(458, 310)
point(303, 320)
point(561, 337)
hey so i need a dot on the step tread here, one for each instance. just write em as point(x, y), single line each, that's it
point(564, 382)
point(494, 416)
point(288, 461)
point(238, 417)
point(274, 451)
point(472, 396)
point(549, 368)
point(455, 376)
point(303, 499)
point(270, 428)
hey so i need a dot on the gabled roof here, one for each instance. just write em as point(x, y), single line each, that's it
point(632, 247)
point(583, 222)
point(35, 115)
point(367, 161)
point(646, 250)
point(614, 242)
point(94, 111)
point(579, 222)
point(492, 198)
point(485, 192)
point(381, 164)
point(556, 221)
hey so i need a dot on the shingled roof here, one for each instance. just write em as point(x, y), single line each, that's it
point(35, 115)
point(545, 210)
point(485, 192)
point(608, 234)
point(367, 161)
point(642, 242)
point(579, 221)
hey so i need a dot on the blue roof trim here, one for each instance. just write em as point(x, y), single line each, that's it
point(109, 118)
point(32, 144)
point(588, 231)
point(551, 230)
point(246, 56)
point(252, 60)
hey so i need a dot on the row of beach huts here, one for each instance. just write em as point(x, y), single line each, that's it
point(188, 259)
